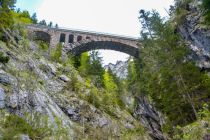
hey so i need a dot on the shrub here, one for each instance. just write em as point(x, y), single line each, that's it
point(3, 59)
point(57, 53)
point(15, 125)
point(206, 7)
point(93, 98)
point(43, 45)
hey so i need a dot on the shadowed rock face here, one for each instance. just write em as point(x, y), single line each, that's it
point(198, 36)
point(150, 118)
point(39, 35)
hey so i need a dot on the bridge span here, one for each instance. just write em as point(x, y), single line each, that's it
point(78, 41)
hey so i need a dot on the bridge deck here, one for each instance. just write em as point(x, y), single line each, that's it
point(86, 32)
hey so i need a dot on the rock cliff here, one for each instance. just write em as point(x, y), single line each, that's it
point(33, 86)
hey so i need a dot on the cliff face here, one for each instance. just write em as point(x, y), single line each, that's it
point(150, 118)
point(197, 34)
point(120, 69)
point(33, 86)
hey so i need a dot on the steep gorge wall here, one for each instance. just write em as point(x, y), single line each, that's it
point(197, 34)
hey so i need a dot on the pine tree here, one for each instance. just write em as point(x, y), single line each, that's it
point(6, 19)
point(34, 18)
point(165, 73)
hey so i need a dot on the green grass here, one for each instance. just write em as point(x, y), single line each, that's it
point(14, 125)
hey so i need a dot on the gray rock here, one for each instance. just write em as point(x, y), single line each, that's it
point(102, 121)
point(7, 79)
point(2, 98)
point(64, 78)
point(205, 124)
point(150, 118)
point(120, 68)
point(13, 101)
point(72, 114)
point(53, 69)
point(24, 137)
point(197, 36)
point(129, 126)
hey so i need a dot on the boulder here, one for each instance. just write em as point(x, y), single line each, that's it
point(7, 79)
point(64, 78)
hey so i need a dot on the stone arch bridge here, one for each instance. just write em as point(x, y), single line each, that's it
point(77, 41)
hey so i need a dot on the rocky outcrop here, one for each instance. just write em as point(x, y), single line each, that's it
point(151, 119)
point(31, 83)
point(197, 34)
point(120, 69)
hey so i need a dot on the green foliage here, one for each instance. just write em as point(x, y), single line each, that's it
point(6, 19)
point(9, 4)
point(74, 84)
point(196, 130)
point(90, 66)
point(139, 132)
point(93, 98)
point(204, 112)
point(14, 125)
point(57, 53)
point(43, 22)
point(21, 17)
point(3, 59)
point(180, 10)
point(206, 7)
point(84, 64)
point(175, 84)
point(34, 18)
point(109, 83)
point(43, 45)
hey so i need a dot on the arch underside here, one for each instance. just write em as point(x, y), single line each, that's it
point(41, 35)
point(107, 45)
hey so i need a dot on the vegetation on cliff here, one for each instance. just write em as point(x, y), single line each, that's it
point(166, 74)
point(94, 99)
point(44, 95)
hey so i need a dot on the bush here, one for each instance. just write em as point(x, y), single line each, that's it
point(206, 7)
point(15, 125)
point(57, 53)
point(93, 98)
point(43, 45)
point(3, 59)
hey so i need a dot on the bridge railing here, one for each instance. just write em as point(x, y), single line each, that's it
point(88, 32)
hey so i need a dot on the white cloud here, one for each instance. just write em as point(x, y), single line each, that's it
point(110, 16)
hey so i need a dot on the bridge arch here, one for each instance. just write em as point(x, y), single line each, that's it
point(105, 45)
point(78, 41)
point(41, 35)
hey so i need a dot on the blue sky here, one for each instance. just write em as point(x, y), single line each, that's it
point(109, 16)
point(30, 5)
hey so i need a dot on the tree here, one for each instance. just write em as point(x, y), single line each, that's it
point(96, 64)
point(84, 64)
point(109, 83)
point(56, 54)
point(206, 7)
point(56, 25)
point(7, 4)
point(43, 22)
point(34, 18)
point(91, 66)
point(50, 24)
point(166, 75)
point(6, 20)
